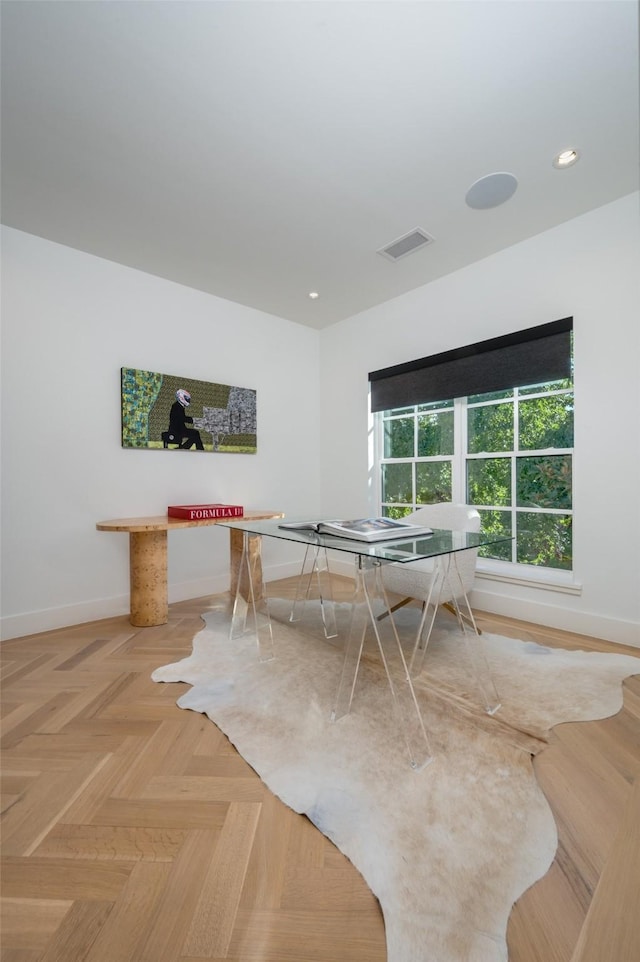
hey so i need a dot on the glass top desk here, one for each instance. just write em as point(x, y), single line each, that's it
point(370, 599)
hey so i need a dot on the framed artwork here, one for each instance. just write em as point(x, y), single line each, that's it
point(173, 413)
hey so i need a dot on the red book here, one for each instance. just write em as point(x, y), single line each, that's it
point(200, 512)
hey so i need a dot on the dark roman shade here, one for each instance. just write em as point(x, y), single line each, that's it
point(533, 356)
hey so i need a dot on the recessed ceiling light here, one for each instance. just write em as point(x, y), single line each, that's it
point(313, 295)
point(566, 158)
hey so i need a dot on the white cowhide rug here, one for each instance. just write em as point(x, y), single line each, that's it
point(447, 850)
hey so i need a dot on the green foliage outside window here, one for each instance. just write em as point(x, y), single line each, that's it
point(397, 483)
point(395, 511)
point(432, 406)
point(490, 428)
point(544, 481)
point(399, 438)
point(565, 385)
point(433, 482)
point(492, 396)
point(546, 422)
point(544, 539)
point(497, 523)
point(520, 494)
point(489, 481)
point(435, 434)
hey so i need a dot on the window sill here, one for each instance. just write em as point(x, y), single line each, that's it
point(548, 579)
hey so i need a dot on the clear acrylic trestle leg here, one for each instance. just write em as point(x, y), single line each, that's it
point(250, 611)
point(316, 567)
point(447, 582)
point(370, 594)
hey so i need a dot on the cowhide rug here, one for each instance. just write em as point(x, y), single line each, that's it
point(447, 850)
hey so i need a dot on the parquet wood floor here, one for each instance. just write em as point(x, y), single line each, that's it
point(133, 831)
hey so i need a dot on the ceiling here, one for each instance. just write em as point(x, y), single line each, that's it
point(263, 150)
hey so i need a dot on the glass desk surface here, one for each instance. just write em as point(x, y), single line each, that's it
point(399, 550)
point(369, 599)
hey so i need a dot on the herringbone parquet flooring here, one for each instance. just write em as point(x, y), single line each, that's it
point(133, 831)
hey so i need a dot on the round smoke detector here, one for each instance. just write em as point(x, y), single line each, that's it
point(491, 191)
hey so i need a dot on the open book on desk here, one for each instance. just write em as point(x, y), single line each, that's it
point(363, 529)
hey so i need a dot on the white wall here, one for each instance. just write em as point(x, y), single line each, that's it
point(587, 268)
point(70, 321)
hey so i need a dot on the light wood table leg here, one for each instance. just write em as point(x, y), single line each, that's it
point(236, 537)
point(148, 575)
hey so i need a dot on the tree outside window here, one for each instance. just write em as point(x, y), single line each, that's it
point(508, 453)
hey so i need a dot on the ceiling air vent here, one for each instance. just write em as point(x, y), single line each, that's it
point(406, 244)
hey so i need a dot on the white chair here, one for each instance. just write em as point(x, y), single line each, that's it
point(415, 579)
point(444, 581)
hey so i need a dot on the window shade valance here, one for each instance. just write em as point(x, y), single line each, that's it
point(533, 356)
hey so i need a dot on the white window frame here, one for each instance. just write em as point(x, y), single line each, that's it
point(490, 568)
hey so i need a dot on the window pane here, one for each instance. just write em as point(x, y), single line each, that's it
point(433, 482)
point(490, 428)
point(550, 386)
point(435, 434)
point(396, 512)
point(544, 481)
point(516, 468)
point(489, 481)
point(496, 522)
point(396, 483)
point(544, 539)
point(547, 422)
point(493, 396)
point(435, 406)
point(398, 438)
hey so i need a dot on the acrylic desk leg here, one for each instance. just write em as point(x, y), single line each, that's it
point(148, 578)
point(473, 640)
point(429, 611)
point(316, 564)
point(370, 595)
point(250, 602)
point(237, 541)
point(448, 583)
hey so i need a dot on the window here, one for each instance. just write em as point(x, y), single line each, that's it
point(508, 452)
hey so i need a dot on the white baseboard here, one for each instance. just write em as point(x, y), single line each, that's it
point(558, 616)
point(555, 616)
point(49, 619)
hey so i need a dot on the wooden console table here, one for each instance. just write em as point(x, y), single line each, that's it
point(149, 603)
